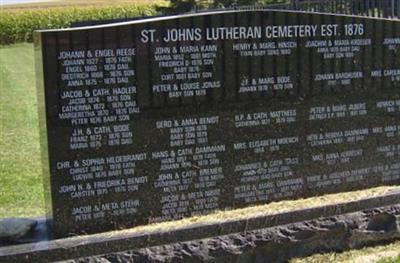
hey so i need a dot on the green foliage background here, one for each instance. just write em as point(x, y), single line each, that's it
point(18, 25)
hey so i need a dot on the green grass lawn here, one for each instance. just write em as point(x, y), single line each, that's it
point(21, 190)
point(379, 254)
point(391, 260)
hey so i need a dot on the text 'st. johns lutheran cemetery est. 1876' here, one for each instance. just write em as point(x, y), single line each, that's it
point(164, 118)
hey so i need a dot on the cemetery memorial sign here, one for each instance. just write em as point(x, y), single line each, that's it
point(163, 118)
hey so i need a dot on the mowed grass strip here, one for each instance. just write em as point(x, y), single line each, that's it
point(21, 189)
point(380, 254)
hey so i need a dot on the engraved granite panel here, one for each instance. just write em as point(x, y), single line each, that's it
point(164, 118)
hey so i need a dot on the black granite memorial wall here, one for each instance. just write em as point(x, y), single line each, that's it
point(164, 118)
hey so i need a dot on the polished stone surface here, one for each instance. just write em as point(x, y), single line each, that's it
point(165, 118)
point(327, 234)
point(377, 218)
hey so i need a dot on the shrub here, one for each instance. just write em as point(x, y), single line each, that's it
point(18, 25)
